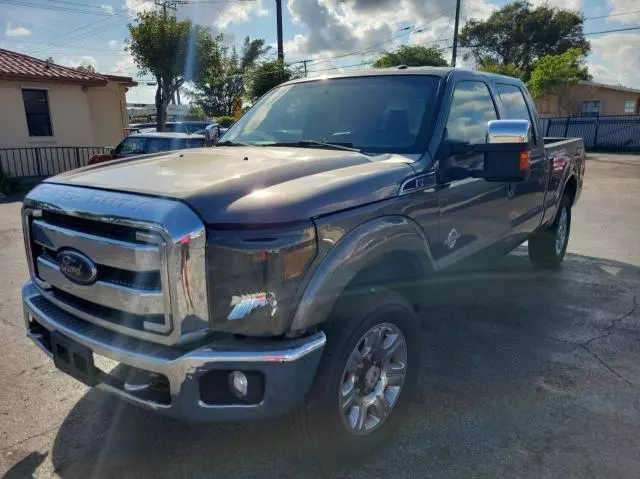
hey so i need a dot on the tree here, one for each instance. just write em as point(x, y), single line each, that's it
point(509, 69)
point(268, 75)
point(412, 56)
point(219, 92)
point(554, 71)
point(174, 52)
point(88, 68)
point(518, 35)
point(196, 113)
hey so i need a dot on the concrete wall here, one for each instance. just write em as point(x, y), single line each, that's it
point(109, 115)
point(95, 117)
point(568, 101)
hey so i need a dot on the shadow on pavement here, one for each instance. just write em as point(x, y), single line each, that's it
point(506, 390)
point(26, 467)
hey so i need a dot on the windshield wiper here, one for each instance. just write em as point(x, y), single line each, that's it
point(311, 143)
point(232, 143)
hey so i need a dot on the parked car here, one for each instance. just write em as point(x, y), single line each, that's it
point(152, 142)
point(213, 132)
point(281, 271)
point(171, 127)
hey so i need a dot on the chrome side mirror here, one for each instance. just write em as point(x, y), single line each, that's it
point(509, 131)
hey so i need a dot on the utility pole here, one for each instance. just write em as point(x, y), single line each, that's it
point(454, 54)
point(304, 62)
point(279, 27)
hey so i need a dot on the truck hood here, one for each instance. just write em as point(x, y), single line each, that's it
point(258, 185)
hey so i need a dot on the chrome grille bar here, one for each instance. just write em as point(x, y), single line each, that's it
point(106, 251)
point(130, 300)
point(149, 254)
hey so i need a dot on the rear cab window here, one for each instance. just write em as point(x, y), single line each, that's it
point(515, 106)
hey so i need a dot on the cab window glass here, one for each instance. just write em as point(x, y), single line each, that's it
point(515, 106)
point(471, 108)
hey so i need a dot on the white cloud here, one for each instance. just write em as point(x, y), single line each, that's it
point(84, 60)
point(17, 31)
point(221, 15)
point(565, 4)
point(125, 65)
point(342, 26)
point(107, 8)
point(113, 43)
point(624, 6)
point(136, 6)
point(615, 59)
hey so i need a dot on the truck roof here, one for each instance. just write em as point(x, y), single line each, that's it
point(401, 70)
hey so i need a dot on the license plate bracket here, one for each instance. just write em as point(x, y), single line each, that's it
point(74, 359)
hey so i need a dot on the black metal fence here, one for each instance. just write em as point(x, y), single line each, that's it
point(45, 160)
point(614, 133)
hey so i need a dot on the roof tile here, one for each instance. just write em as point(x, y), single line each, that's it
point(15, 65)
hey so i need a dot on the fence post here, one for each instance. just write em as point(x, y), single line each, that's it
point(566, 128)
point(595, 137)
point(77, 157)
point(38, 166)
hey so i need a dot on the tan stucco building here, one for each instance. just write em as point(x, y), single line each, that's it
point(48, 105)
point(590, 99)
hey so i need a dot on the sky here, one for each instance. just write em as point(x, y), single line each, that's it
point(334, 34)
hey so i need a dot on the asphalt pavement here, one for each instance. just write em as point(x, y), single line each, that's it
point(527, 374)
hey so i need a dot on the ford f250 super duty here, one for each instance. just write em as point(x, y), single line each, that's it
point(280, 271)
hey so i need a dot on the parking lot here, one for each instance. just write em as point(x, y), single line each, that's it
point(526, 373)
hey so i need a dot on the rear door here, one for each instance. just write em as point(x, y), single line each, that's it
point(525, 198)
point(472, 210)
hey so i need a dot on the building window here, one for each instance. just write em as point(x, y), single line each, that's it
point(591, 108)
point(630, 106)
point(36, 107)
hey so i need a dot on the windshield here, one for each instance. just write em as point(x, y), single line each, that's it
point(132, 145)
point(374, 114)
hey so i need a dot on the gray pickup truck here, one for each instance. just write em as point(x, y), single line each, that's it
point(280, 271)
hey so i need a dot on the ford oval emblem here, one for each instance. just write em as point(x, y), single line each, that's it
point(77, 267)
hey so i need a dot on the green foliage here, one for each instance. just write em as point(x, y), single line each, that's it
point(412, 56)
point(226, 121)
point(552, 71)
point(86, 68)
point(196, 113)
point(268, 75)
point(49, 59)
point(509, 69)
point(219, 92)
point(173, 51)
point(518, 35)
point(8, 184)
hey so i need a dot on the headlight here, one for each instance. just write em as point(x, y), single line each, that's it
point(254, 277)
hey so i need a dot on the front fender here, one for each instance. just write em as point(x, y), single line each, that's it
point(359, 248)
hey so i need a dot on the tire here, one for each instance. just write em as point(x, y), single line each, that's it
point(323, 428)
point(548, 247)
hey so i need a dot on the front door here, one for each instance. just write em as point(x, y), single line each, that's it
point(472, 210)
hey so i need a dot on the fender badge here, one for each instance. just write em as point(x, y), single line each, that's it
point(452, 238)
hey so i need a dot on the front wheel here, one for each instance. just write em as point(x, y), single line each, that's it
point(548, 247)
point(365, 380)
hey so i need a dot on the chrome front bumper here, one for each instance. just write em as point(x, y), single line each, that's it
point(286, 366)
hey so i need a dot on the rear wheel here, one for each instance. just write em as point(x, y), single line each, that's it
point(365, 380)
point(547, 248)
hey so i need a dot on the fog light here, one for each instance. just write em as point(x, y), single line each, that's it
point(238, 383)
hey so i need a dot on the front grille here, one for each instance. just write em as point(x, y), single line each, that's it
point(141, 270)
point(128, 292)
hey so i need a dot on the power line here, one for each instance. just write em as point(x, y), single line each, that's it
point(612, 15)
point(56, 8)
